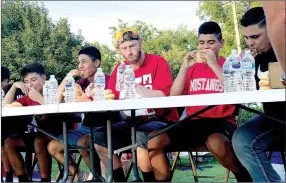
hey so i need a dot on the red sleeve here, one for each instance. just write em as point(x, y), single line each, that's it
point(164, 79)
point(23, 101)
point(112, 83)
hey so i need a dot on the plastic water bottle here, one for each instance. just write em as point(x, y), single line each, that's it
point(46, 88)
point(248, 71)
point(119, 77)
point(235, 72)
point(2, 97)
point(99, 85)
point(129, 83)
point(226, 74)
point(53, 90)
point(69, 89)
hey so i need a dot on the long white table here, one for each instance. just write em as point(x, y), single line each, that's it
point(274, 95)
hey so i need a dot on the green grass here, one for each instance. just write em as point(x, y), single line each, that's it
point(179, 176)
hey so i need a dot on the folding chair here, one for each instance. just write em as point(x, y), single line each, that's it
point(199, 149)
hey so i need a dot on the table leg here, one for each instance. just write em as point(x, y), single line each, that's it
point(66, 153)
point(110, 151)
point(134, 154)
point(92, 155)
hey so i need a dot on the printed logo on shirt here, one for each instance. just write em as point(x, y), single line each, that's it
point(206, 84)
point(145, 80)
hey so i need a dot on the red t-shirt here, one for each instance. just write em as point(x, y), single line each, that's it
point(201, 79)
point(84, 82)
point(155, 74)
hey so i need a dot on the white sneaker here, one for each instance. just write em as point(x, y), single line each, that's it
point(84, 176)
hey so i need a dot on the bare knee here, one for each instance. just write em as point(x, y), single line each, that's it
point(11, 144)
point(83, 142)
point(218, 144)
point(55, 147)
point(158, 142)
point(40, 144)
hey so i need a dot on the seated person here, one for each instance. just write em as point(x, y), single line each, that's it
point(153, 78)
point(201, 73)
point(89, 60)
point(8, 123)
point(34, 78)
point(255, 137)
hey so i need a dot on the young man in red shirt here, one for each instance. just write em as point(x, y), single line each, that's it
point(89, 59)
point(34, 78)
point(153, 79)
point(201, 73)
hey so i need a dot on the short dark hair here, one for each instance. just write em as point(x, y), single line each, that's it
point(92, 52)
point(254, 16)
point(5, 73)
point(210, 27)
point(32, 68)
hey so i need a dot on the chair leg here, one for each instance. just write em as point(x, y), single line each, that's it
point(60, 173)
point(226, 177)
point(193, 167)
point(283, 156)
point(174, 165)
point(28, 162)
point(76, 167)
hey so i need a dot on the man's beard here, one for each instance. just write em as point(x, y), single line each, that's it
point(135, 60)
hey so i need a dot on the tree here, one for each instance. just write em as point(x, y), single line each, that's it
point(221, 12)
point(29, 35)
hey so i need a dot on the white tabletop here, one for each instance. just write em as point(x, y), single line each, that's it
point(274, 95)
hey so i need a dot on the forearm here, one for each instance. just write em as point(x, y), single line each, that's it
point(152, 93)
point(275, 18)
point(179, 83)
point(61, 90)
point(9, 98)
point(218, 72)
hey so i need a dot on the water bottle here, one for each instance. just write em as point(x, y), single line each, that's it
point(226, 74)
point(119, 77)
point(129, 83)
point(46, 88)
point(248, 71)
point(2, 97)
point(99, 85)
point(235, 72)
point(53, 90)
point(69, 89)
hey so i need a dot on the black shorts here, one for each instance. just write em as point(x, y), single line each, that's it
point(194, 133)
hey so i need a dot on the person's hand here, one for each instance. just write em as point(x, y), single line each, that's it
point(78, 90)
point(141, 91)
point(82, 98)
point(253, 52)
point(14, 104)
point(264, 83)
point(189, 59)
point(108, 95)
point(35, 95)
point(75, 72)
point(209, 56)
point(21, 86)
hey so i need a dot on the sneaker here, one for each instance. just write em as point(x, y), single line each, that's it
point(84, 176)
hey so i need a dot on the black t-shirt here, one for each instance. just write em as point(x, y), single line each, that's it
point(276, 109)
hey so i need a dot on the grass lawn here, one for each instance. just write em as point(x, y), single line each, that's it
point(182, 173)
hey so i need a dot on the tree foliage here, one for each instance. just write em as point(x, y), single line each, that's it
point(221, 12)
